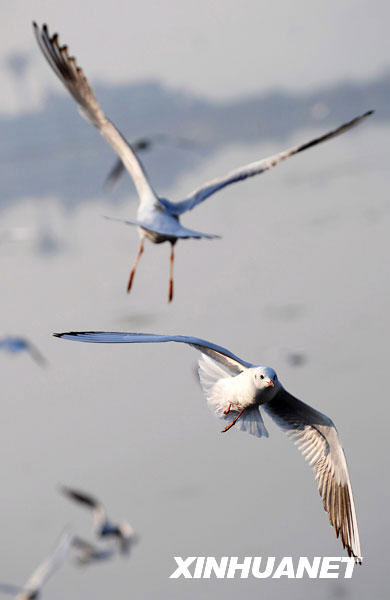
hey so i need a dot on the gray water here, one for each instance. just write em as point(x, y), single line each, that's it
point(302, 266)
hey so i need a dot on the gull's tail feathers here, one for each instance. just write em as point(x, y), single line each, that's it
point(216, 383)
point(171, 230)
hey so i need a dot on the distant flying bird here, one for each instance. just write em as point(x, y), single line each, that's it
point(15, 344)
point(237, 390)
point(104, 528)
point(32, 589)
point(157, 218)
point(87, 553)
point(140, 145)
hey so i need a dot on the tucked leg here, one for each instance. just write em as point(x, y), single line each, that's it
point(172, 258)
point(140, 251)
point(233, 422)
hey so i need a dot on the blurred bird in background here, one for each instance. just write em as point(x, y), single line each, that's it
point(15, 345)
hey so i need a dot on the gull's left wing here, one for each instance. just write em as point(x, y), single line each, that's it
point(218, 353)
point(317, 439)
point(73, 78)
point(256, 168)
point(51, 564)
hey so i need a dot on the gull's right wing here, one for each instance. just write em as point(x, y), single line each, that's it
point(98, 510)
point(76, 83)
point(80, 496)
point(218, 353)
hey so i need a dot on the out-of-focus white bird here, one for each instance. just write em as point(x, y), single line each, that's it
point(157, 218)
point(32, 589)
point(16, 344)
point(141, 145)
point(237, 390)
point(103, 527)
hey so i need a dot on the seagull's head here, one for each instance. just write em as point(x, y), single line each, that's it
point(266, 381)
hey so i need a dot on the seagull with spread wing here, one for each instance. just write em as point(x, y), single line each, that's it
point(104, 528)
point(238, 391)
point(32, 589)
point(158, 219)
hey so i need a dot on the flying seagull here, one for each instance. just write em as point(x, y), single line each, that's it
point(32, 589)
point(238, 391)
point(140, 145)
point(104, 528)
point(15, 344)
point(157, 218)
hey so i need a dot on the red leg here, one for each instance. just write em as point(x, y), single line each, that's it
point(233, 422)
point(227, 411)
point(140, 251)
point(172, 257)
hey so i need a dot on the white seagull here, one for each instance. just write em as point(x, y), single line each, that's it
point(32, 589)
point(237, 390)
point(157, 218)
point(104, 528)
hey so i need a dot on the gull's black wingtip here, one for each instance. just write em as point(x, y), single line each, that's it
point(58, 334)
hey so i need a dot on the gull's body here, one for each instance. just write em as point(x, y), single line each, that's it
point(157, 218)
point(238, 391)
point(32, 588)
point(103, 526)
point(16, 344)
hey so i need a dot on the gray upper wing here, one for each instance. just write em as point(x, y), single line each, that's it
point(218, 353)
point(256, 168)
point(316, 437)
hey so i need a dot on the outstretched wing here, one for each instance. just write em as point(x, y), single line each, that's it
point(74, 80)
point(218, 353)
point(80, 497)
point(36, 355)
point(256, 168)
point(316, 437)
point(51, 564)
point(138, 145)
point(98, 510)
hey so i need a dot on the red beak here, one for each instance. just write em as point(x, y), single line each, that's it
point(271, 383)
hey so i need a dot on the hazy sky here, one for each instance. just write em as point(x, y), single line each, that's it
point(216, 48)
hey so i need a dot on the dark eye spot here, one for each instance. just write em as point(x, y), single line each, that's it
point(261, 376)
